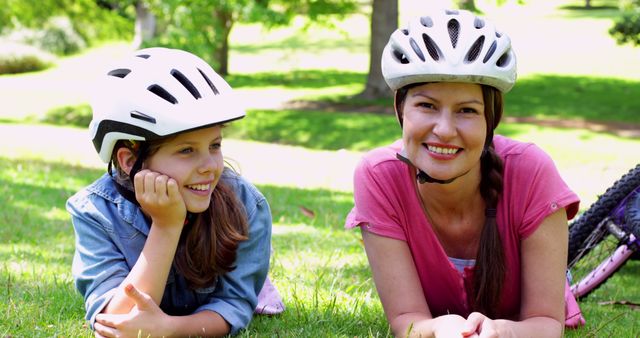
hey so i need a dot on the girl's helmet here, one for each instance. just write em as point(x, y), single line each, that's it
point(449, 46)
point(157, 92)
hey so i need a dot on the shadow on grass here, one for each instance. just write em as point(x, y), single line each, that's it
point(297, 79)
point(575, 97)
point(302, 42)
point(597, 11)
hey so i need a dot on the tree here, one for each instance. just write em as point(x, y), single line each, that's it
point(203, 27)
point(626, 28)
point(384, 20)
point(93, 20)
point(145, 26)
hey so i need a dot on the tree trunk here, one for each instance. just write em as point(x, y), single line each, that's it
point(145, 26)
point(225, 22)
point(384, 20)
point(587, 3)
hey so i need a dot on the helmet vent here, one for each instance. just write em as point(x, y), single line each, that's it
point(121, 72)
point(213, 88)
point(416, 49)
point(432, 47)
point(405, 31)
point(162, 93)
point(186, 83)
point(503, 60)
point(451, 12)
point(144, 56)
point(478, 23)
point(492, 49)
point(454, 31)
point(426, 21)
point(498, 34)
point(142, 116)
point(400, 57)
point(475, 49)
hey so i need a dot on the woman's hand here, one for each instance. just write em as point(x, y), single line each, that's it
point(450, 326)
point(159, 196)
point(481, 326)
point(146, 319)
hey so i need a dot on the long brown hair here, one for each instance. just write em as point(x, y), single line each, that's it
point(490, 260)
point(209, 240)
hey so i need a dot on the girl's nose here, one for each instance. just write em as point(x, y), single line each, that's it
point(210, 163)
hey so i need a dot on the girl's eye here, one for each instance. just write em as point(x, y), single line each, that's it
point(186, 150)
point(216, 145)
point(468, 111)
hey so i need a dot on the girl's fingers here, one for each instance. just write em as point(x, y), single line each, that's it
point(172, 189)
point(160, 185)
point(140, 298)
point(103, 330)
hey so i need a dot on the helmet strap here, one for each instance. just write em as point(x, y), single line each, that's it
point(422, 177)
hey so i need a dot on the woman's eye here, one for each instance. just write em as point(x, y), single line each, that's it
point(216, 145)
point(468, 111)
point(425, 105)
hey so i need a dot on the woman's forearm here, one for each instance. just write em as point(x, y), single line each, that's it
point(530, 327)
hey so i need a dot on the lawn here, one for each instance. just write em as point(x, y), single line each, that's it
point(301, 157)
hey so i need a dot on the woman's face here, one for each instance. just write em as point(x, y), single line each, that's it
point(194, 160)
point(444, 128)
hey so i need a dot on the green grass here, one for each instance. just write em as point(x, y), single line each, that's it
point(320, 268)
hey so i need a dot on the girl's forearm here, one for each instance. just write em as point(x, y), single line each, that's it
point(149, 274)
point(201, 324)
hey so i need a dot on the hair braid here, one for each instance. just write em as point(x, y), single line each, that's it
point(490, 260)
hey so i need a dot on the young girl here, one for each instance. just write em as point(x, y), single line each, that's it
point(465, 232)
point(169, 242)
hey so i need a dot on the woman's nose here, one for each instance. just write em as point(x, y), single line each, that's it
point(445, 125)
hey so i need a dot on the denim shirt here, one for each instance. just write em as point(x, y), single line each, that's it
point(111, 232)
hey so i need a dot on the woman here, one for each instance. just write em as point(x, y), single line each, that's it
point(466, 233)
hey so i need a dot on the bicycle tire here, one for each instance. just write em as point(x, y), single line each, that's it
point(632, 217)
point(632, 214)
point(584, 225)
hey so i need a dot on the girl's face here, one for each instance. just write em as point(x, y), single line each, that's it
point(194, 160)
point(444, 128)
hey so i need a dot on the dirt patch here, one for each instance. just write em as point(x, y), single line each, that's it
point(628, 130)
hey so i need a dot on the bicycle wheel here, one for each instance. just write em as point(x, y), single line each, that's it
point(584, 226)
point(599, 265)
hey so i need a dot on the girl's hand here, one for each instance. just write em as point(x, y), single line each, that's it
point(479, 325)
point(146, 319)
point(159, 196)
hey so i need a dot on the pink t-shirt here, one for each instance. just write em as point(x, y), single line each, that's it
point(385, 201)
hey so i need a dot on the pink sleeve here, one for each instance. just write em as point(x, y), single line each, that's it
point(374, 202)
point(537, 189)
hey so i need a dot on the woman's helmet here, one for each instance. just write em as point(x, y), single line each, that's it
point(449, 46)
point(157, 92)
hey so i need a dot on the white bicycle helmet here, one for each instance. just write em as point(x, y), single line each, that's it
point(449, 46)
point(157, 92)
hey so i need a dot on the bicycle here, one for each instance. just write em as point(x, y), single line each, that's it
point(606, 236)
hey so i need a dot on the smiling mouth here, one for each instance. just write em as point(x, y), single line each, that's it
point(199, 187)
point(442, 150)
